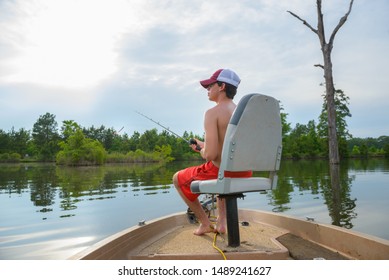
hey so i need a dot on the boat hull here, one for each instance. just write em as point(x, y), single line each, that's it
point(264, 235)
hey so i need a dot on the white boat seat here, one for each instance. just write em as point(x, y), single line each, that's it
point(253, 141)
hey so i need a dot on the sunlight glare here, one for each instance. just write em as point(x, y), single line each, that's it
point(70, 43)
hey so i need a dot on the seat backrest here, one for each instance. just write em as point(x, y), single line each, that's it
point(253, 138)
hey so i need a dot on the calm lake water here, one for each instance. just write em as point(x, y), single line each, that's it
point(51, 212)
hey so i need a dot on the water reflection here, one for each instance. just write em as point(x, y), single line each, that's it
point(43, 197)
point(332, 185)
point(301, 176)
point(73, 185)
point(341, 206)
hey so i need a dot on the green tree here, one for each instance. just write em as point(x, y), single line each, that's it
point(134, 141)
point(386, 150)
point(69, 127)
point(313, 144)
point(148, 140)
point(342, 111)
point(104, 135)
point(45, 137)
point(120, 144)
point(303, 142)
point(286, 127)
point(375, 146)
point(163, 153)
point(295, 147)
point(356, 152)
point(364, 150)
point(20, 141)
point(79, 150)
point(5, 142)
point(382, 141)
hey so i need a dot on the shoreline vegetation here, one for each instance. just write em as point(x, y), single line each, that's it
point(73, 145)
point(140, 156)
point(145, 158)
point(92, 152)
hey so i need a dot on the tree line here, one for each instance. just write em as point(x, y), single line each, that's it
point(310, 140)
point(72, 144)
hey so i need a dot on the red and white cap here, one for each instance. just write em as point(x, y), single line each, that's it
point(222, 75)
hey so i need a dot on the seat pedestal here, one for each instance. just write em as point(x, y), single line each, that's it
point(232, 219)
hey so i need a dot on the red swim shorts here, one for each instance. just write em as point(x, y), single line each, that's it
point(206, 171)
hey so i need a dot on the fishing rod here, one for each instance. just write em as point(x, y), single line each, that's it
point(191, 141)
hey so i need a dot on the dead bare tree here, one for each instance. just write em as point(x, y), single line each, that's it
point(326, 49)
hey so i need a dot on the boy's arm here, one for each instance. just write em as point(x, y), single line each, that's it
point(210, 149)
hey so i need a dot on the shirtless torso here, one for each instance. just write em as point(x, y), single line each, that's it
point(216, 121)
point(215, 124)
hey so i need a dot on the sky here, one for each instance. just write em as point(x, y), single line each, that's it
point(97, 62)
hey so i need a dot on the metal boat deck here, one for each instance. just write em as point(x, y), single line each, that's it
point(263, 235)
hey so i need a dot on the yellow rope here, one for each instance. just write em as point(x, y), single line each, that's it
point(216, 233)
point(214, 246)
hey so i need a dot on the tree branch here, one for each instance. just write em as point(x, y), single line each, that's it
point(319, 65)
point(320, 25)
point(341, 22)
point(303, 21)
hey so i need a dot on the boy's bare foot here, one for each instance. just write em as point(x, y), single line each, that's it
point(202, 229)
point(221, 228)
point(221, 225)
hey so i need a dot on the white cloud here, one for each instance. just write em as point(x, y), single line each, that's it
point(67, 43)
point(106, 58)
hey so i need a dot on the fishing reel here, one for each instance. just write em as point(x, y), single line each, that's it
point(194, 142)
point(208, 204)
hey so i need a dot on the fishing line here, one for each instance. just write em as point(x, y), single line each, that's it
point(191, 141)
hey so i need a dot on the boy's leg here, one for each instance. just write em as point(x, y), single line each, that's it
point(197, 208)
point(221, 224)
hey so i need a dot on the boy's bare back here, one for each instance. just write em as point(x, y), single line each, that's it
point(215, 123)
